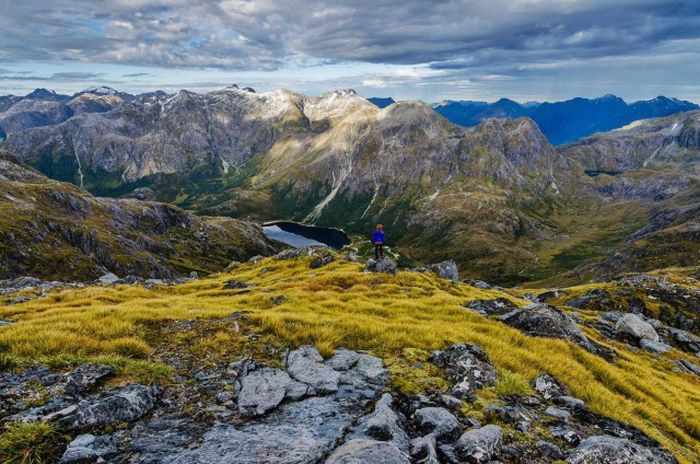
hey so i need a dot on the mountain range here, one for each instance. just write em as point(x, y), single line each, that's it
point(565, 121)
point(497, 197)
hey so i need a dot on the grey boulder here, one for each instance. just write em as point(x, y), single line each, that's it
point(543, 320)
point(125, 404)
point(361, 451)
point(549, 387)
point(658, 347)
point(89, 448)
point(632, 326)
point(468, 366)
point(108, 279)
point(383, 424)
point(306, 365)
point(423, 450)
point(262, 390)
point(480, 445)
point(384, 265)
point(446, 270)
point(86, 376)
point(440, 422)
point(612, 450)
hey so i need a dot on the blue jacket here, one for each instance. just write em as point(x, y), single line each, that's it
point(378, 237)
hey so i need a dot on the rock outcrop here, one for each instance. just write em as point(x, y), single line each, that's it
point(630, 325)
point(384, 265)
point(543, 320)
point(469, 368)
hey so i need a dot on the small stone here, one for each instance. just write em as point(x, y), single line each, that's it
point(233, 265)
point(223, 397)
point(655, 347)
point(235, 284)
point(278, 300)
point(108, 279)
point(569, 402)
point(480, 445)
point(694, 368)
point(361, 451)
point(262, 390)
point(440, 422)
point(321, 260)
point(549, 450)
point(632, 326)
point(566, 433)
point(384, 265)
point(306, 365)
point(558, 413)
point(450, 401)
point(549, 387)
point(423, 450)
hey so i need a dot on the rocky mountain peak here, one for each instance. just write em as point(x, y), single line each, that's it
point(42, 94)
point(100, 90)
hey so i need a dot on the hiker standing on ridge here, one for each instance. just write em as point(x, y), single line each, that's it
point(378, 241)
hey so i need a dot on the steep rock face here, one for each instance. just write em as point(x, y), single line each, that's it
point(50, 229)
point(673, 140)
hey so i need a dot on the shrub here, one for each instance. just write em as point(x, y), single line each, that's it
point(511, 384)
point(30, 443)
point(129, 347)
point(7, 362)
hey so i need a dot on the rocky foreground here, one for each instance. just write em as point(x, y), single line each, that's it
point(312, 410)
point(262, 401)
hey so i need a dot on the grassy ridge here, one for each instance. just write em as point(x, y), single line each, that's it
point(400, 318)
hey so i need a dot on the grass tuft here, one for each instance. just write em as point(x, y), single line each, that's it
point(511, 384)
point(129, 347)
point(30, 443)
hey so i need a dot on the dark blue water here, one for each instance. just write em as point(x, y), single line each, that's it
point(299, 235)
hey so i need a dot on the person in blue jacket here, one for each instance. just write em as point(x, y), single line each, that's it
point(378, 241)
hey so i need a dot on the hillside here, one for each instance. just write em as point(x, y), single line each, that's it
point(206, 344)
point(655, 162)
point(56, 231)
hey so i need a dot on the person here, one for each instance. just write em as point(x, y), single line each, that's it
point(378, 241)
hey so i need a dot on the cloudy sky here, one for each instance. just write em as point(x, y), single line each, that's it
point(430, 50)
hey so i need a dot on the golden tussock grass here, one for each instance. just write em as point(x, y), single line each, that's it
point(401, 318)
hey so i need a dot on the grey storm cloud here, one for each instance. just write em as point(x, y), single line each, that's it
point(75, 76)
point(140, 74)
point(492, 35)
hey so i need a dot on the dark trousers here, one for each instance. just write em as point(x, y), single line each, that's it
point(378, 250)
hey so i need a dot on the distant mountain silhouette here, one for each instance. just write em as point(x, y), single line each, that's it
point(382, 102)
point(568, 120)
